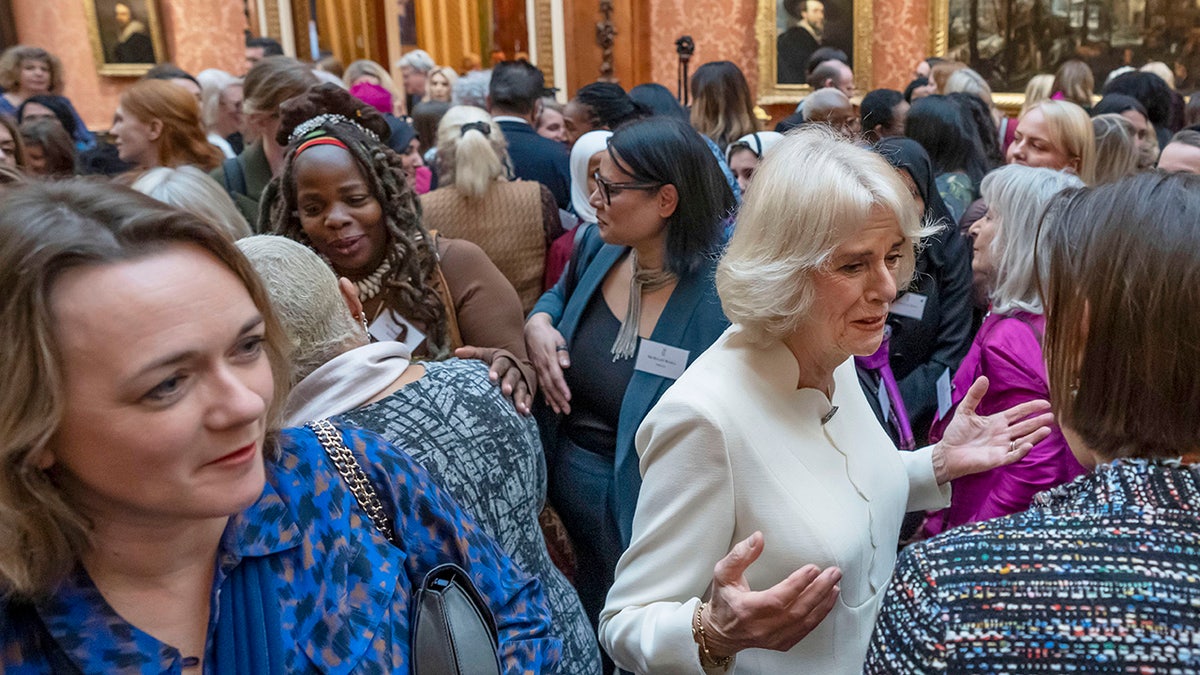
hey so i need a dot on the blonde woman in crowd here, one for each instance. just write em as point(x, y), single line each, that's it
point(1116, 148)
point(512, 221)
point(1038, 89)
point(441, 84)
point(190, 189)
point(365, 70)
point(1056, 135)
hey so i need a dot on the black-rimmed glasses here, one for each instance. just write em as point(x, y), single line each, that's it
point(607, 188)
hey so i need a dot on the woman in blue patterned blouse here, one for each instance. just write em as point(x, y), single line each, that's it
point(152, 518)
point(1101, 575)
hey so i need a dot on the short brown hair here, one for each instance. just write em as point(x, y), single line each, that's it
point(47, 229)
point(10, 66)
point(1120, 278)
point(183, 140)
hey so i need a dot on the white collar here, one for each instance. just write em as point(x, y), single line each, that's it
point(511, 118)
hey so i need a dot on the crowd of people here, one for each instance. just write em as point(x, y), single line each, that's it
point(905, 385)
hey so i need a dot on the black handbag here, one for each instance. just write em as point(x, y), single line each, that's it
point(453, 630)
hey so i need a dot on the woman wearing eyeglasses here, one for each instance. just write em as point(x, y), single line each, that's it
point(635, 307)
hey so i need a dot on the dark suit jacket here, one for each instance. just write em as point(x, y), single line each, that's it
point(539, 159)
point(792, 50)
point(692, 320)
point(137, 49)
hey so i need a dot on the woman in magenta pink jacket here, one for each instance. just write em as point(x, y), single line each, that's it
point(1008, 347)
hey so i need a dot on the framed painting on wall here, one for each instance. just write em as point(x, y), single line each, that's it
point(126, 36)
point(789, 31)
point(1010, 41)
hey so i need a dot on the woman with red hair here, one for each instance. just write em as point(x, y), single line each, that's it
point(158, 124)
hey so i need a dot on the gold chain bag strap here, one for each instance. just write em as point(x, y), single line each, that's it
point(453, 630)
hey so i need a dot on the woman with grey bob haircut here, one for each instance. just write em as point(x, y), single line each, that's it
point(765, 456)
point(1007, 350)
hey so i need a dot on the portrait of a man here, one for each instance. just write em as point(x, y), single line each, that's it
point(124, 35)
point(805, 25)
point(132, 43)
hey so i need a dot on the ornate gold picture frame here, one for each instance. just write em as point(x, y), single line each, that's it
point(1009, 42)
point(786, 36)
point(126, 36)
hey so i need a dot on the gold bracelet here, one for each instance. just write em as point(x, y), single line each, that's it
point(707, 660)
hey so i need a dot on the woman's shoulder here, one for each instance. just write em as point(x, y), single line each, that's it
point(1012, 330)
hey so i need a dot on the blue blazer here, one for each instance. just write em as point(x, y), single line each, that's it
point(539, 159)
point(691, 320)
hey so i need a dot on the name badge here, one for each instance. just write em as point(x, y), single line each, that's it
point(944, 394)
point(389, 325)
point(910, 305)
point(662, 360)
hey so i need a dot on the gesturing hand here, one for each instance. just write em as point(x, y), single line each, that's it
point(975, 443)
point(546, 348)
point(738, 618)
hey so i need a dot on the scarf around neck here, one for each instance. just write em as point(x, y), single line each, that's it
point(346, 382)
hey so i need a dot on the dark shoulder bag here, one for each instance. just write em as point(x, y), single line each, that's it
point(453, 630)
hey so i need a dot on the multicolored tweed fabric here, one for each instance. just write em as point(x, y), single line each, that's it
point(1101, 575)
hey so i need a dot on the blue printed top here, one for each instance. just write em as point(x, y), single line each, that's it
point(344, 591)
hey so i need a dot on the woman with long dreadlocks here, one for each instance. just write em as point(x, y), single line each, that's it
point(342, 191)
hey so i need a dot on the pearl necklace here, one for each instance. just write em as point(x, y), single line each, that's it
point(370, 287)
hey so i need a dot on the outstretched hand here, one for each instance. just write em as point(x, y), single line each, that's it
point(974, 443)
point(738, 618)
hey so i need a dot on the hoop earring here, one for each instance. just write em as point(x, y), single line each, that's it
point(362, 318)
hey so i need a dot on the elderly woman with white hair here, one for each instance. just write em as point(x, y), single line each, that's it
point(192, 190)
point(512, 221)
point(446, 415)
point(767, 446)
point(221, 109)
point(1007, 350)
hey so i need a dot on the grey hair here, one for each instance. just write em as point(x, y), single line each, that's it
point(1116, 148)
point(968, 81)
point(1017, 195)
point(417, 59)
point(213, 82)
point(188, 188)
point(472, 89)
point(811, 193)
point(305, 296)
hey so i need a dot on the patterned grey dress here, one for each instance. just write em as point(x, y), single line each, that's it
point(458, 426)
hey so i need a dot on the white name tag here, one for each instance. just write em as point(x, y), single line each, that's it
point(910, 305)
point(662, 360)
point(389, 325)
point(944, 394)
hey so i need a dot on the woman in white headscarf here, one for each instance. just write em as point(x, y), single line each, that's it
point(585, 160)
